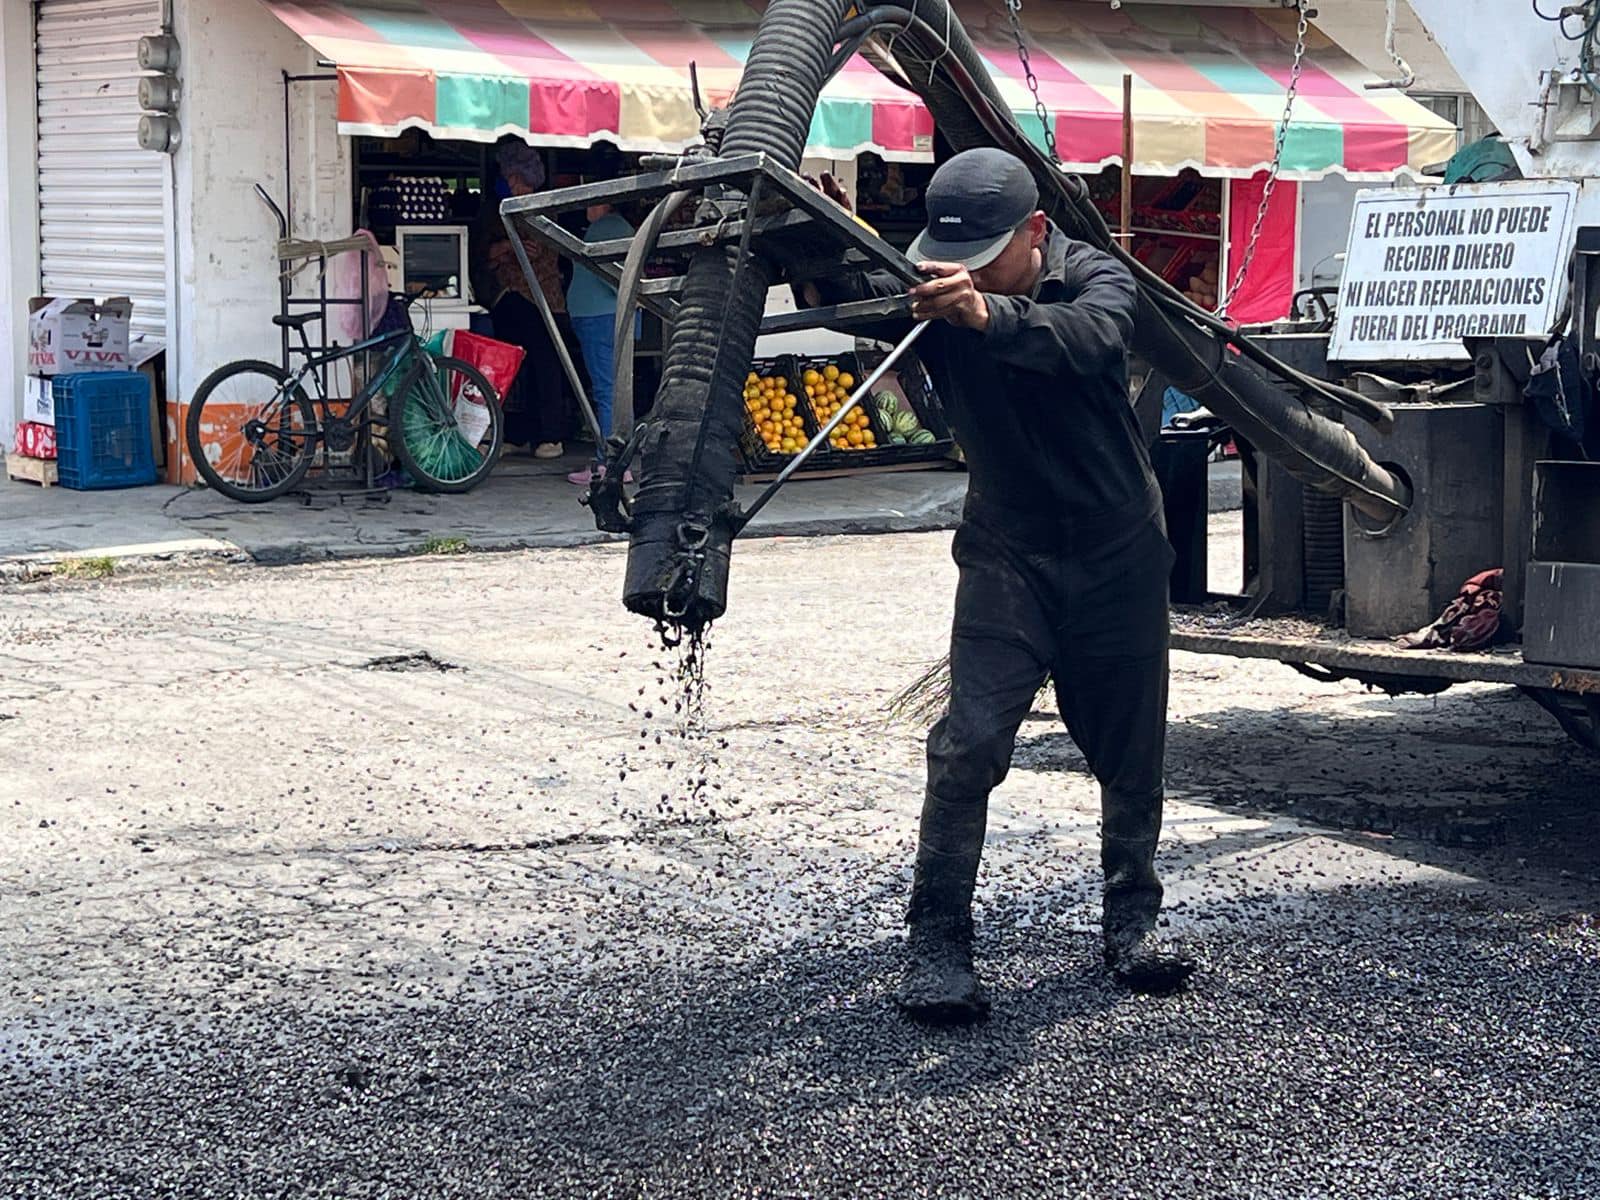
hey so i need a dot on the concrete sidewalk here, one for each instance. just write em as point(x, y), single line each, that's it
point(525, 503)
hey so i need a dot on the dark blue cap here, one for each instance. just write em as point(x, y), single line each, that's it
point(975, 202)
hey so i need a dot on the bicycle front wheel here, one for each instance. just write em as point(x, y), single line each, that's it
point(446, 426)
point(251, 431)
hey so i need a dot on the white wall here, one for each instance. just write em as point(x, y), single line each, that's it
point(222, 290)
point(1502, 50)
point(19, 218)
point(1358, 27)
point(234, 53)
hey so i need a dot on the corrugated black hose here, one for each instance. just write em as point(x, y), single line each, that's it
point(1188, 344)
point(682, 525)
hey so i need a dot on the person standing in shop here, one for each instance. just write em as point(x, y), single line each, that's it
point(536, 408)
point(1063, 559)
point(592, 303)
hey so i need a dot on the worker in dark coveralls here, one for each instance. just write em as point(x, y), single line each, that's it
point(1062, 552)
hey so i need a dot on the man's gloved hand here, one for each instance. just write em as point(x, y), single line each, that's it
point(832, 189)
point(835, 191)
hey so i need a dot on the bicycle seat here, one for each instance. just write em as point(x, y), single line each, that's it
point(295, 320)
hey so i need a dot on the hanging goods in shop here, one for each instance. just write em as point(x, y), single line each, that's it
point(758, 222)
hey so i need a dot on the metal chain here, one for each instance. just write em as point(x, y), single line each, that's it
point(1277, 161)
point(1014, 11)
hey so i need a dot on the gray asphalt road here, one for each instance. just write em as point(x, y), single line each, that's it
point(287, 909)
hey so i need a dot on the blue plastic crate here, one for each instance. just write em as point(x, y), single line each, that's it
point(103, 430)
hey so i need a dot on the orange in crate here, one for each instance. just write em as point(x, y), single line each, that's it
point(772, 411)
point(829, 389)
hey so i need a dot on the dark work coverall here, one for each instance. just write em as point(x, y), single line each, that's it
point(1063, 561)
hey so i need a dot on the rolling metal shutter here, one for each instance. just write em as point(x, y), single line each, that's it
point(102, 224)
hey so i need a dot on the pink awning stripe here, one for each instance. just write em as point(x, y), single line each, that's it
point(509, 40)
point(658, 29)
point(1208, 83)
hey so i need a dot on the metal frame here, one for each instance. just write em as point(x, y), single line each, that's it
point(796, 208)
point(321, 303)
point(757, 207)
point(1199, 633)
point(405, 346)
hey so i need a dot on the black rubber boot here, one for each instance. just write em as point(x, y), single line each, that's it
point(1138, 955)
point(940, 986)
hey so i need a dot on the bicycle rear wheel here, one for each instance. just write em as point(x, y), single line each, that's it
point(251, 431)
point(447, 439)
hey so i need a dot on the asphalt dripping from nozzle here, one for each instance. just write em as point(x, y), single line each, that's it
point(668, 779)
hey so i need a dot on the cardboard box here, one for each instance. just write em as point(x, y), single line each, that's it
point(34, 440)
point(67, 336)
point(150, 360)
point(39, 401)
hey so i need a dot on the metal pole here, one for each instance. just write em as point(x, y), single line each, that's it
point(1127, 160)
point(543, 305)
point(288, 155)
point(845, 409)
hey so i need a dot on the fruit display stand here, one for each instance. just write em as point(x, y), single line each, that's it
point(828, 383)
point(909, 411)
point(788, 398)
point(1176, 227)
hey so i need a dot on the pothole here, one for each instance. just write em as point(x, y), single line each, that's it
point(419, 661)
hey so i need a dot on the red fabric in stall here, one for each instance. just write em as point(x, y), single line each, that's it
point(1269, 285)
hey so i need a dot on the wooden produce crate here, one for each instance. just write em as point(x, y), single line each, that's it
point(827, 383)
point(777, 421)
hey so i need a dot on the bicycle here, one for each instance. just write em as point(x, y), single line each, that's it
point(253, 432)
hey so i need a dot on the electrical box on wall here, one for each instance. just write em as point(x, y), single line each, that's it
point(159, 94)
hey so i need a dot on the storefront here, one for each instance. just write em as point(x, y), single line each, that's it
point(315, 103)
point(1208, 91)
point(87, 212)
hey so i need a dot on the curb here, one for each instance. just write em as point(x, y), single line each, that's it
point(147, 560)
point(151, 557)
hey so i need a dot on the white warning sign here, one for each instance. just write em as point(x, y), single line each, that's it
point(1427, 267)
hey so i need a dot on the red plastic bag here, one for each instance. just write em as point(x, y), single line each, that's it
point(499, 361)
point(34, 440)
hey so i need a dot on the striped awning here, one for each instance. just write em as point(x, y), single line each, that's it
point(1209, 84)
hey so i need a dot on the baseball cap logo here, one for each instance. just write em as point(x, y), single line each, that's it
point(976, 202)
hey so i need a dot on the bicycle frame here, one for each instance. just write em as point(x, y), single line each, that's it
point(407, 354)
point(405, 348)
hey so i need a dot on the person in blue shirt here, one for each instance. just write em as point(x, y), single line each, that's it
point(592, 303)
